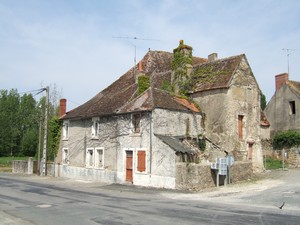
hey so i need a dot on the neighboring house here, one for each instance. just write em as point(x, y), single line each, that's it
point(283, 110)
point(137, 129)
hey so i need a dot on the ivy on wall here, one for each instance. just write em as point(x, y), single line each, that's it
point(143, 83)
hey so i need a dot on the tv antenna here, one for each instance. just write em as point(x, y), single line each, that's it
point(288, 52)
point(134, 45)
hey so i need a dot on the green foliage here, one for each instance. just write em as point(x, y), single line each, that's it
point(201, 142)
point(263, 101)
point(19, 122)
point(182, 58)
point(286, 139)
point(143, 83)
point(29, 143)
point(55, 128)
point(166, 86)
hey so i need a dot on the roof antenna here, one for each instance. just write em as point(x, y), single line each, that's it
point(135, 38)
point(288, 52)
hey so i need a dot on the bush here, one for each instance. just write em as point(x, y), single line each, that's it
point(286, 139)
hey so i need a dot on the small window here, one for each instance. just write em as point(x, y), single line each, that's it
point(292, 107)
point(95, 127)
point(136, 123)
point(66, 130)
point(65, 156)
point(90, 157)
point(141, 161)
point(99, 161)
point(240, 126)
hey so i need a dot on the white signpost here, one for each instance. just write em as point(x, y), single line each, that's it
point(222, 165)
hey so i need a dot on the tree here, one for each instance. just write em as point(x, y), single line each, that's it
point(286, 139)
point(263, 102)
point(9, 132)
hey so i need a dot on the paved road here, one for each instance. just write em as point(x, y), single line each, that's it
point(42, 200)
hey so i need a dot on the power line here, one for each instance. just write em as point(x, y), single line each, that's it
point(288, 52)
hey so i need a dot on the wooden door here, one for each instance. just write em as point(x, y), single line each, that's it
point(250, 145)
point(129, 157)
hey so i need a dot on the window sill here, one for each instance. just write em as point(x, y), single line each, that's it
point(65, 139)
point(135, 135)
point(94, 138)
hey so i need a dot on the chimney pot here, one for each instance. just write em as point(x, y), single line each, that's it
point(212, 57)
point(280, 79)
point(62, 107)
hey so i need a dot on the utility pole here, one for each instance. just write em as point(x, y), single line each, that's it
point(44, 159)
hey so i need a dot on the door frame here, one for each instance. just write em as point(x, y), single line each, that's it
point(125, 150)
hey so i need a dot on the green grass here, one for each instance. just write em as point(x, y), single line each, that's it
point(273, 164)
point(7, 161)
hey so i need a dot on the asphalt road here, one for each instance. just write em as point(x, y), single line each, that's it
point(41, 200)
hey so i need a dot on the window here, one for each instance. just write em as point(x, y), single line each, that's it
point(292, 107)
point(141, 161)
point(240, 126)
point(95, 127)
point(66, 130)
point(65, 156)
point(99, 158)
point(90, 157)
point(136, 123)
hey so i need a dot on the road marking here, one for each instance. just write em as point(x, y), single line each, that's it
point(44, 206)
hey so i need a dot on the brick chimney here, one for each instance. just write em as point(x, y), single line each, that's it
point(140, 66)
point(212, 57)
point(280, 79)
point(62, 107)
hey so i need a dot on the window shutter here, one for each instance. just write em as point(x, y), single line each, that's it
point(141, 164)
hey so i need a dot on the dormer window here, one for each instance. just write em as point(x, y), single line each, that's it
point(136, 123)
point(95, 127)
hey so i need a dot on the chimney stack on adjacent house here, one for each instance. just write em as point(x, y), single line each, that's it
point(140, 66)
point(212, 57)
point(62, 107)
point(280, 79)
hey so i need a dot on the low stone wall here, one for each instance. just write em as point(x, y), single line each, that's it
point(31, 167)
point(192, 176)
point(24, 166)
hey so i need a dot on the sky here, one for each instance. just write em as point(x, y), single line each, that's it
point(79, 47)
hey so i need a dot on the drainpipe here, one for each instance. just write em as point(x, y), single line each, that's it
point(150, 168)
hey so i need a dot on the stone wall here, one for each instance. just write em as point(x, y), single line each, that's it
point(191, 176)
point(24, 166)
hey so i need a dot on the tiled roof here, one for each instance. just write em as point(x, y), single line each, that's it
point(175, 143)
point(215, 74)
point(157, 98)
point(295, 86)
point(119, 96)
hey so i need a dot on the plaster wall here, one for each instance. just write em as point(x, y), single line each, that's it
point(279, 113)
point(222, 108)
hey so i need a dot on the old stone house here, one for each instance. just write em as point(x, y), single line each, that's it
point(140, 127)
point(283, 110)
point(229, 96)
point(120, 135)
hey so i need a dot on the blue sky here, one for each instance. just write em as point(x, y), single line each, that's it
point(71, 43)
